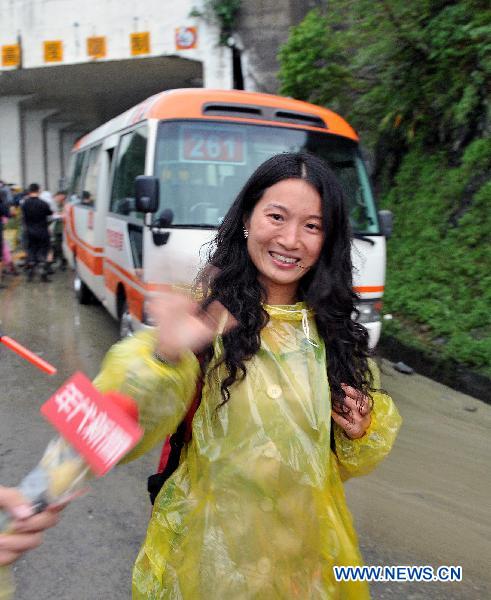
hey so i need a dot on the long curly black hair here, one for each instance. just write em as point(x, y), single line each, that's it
point(327, 288)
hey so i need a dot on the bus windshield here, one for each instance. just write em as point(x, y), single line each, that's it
point(202, 165)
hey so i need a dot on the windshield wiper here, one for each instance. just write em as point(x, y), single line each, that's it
point(363, 238)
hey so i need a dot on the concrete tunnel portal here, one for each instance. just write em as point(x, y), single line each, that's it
point(44, 110)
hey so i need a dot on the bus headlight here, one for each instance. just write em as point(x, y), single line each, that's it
point(369, 311)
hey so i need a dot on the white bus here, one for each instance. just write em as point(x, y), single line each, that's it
point(197, 147)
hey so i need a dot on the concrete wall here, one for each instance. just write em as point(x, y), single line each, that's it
point(73, 21)
point(263, 27)
point(10, 139)
point(38, 94)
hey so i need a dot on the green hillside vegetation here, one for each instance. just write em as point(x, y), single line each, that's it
point(414, 79)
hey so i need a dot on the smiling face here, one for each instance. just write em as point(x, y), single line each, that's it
point(285, 237)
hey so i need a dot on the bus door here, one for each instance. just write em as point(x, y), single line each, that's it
point(97, 216)
point(85, 203)
point(123, 261)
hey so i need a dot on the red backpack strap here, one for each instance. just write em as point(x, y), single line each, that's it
point(187, 422)
point(164, 455)
point(188, 419)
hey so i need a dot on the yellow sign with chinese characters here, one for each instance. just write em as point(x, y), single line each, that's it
point(11, 55)
point(96, 47)
point(53, 51)
point(140, 43)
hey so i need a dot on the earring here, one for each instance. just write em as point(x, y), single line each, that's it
point(246, 233)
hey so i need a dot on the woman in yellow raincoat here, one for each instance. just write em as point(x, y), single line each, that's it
point(290, 407)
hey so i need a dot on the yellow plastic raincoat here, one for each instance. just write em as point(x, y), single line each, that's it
point(256, 509)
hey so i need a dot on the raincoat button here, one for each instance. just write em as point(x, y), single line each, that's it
point(264, 565)
point(274, 391)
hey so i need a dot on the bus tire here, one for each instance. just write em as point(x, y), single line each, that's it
point(125, 322)
point(82, 291)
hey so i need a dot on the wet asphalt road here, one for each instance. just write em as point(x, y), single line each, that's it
point(427, 504)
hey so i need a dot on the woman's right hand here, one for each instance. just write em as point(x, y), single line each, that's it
point(25, 532)
point(182, 325)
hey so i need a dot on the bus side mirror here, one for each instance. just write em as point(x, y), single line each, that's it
point(386, 221)
point(147, 194)
point(164, 220)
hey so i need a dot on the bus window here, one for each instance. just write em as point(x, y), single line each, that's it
point(74, 189)
point(202, 166)
point(130, 162)
point(89, 181)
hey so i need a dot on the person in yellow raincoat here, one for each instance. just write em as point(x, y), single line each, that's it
point(291, 404)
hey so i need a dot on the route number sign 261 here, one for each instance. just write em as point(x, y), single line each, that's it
point(202, 144)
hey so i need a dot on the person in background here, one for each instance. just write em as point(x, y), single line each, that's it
point(36, 213)
point(19, 196)
point(47, 196)
point(9, 267)
point(18, 201)
point(5, 198)
point(6, 189)
point(87, 199)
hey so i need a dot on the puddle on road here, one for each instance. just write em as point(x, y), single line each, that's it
point(47, 319)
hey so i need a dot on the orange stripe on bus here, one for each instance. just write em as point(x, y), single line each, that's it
point(93, 263)
point(80, 240)
point(369, 288)
point(147, 286)
point(158, 287)
point(124, 272)
point(87, 256)
point(69, 240)
point(134, 296)
point(135, 302)
point(111, 280)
